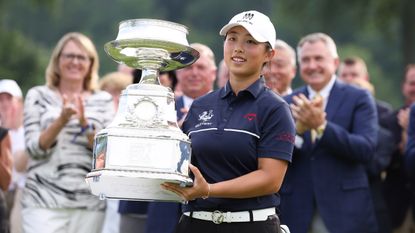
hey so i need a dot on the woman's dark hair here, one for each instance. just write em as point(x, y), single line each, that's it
point(172, 76)
point(136, 75)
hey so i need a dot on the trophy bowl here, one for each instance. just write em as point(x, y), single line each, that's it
point(143, 146)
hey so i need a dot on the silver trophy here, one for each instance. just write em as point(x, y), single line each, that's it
point(143, 146)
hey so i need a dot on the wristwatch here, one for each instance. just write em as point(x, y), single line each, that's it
point(88, 129)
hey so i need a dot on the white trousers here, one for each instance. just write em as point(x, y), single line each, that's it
point(16, 213)
point(36, 220)
point(112, 217)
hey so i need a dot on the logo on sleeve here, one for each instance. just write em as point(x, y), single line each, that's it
point(204, 118)
point(286, 137)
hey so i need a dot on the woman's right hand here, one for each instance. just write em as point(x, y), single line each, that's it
point(200, 189)
point(48, 136)
point(68, 109)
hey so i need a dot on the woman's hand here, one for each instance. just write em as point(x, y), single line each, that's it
point(200, 188)
point(81, 112)
point(68, 109)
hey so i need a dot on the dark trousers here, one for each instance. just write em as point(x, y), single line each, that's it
point(191, 225)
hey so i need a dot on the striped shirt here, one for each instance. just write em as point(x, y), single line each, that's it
point(56, 176)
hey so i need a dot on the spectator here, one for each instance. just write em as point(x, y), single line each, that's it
point(410, 148)
point(397, 187)
point(114, 83)
point(11, 115)
point(60, 119)
point(326, 188)
point(223, 74)
point(280, 72)
point(195, 80)
point(353, 70)
point(5, 176)
point(168, 79)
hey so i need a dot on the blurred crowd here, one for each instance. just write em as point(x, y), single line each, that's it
point(353, 163)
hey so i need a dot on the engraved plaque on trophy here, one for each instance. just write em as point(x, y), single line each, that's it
point(143, 146)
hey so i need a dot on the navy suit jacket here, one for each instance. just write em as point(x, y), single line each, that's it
point(330, 175)
point(179, 105)
point(162, 217)
point(410, 147)
point(410, 154)
point(396, 185)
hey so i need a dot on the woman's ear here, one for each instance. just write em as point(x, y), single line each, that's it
point(270, 54)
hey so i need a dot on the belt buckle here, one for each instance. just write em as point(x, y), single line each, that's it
point(217, 217)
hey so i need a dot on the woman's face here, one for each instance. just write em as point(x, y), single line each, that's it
point(165, 80)
point(243, 55)
point(74, 62)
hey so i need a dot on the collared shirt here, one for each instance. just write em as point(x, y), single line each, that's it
point(287, 92)
point(229, 133)
point(187, 101)
point(325, 92)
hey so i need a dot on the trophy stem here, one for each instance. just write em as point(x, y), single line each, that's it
point(150, 76)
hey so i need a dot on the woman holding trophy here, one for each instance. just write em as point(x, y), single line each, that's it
point(242, 139)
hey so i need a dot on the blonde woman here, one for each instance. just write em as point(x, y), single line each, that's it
point(60, 120)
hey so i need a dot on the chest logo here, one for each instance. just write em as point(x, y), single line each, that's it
point(250, 116)
point(206, 116)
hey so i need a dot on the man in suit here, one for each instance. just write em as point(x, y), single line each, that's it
point(409, 159)
point(353, 70)
point(326, 188)
point(194, 81)
point(398, 190)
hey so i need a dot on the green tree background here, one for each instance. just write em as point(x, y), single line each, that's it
point(380, 31)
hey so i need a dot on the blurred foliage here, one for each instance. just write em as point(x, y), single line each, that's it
point(21, 59)
point(380, 31)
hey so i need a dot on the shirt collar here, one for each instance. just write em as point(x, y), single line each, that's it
point(187, 101)
point(325, 92)
point(287, 92)
point(255, 88)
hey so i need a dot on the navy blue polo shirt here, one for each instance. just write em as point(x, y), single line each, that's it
point(229, 133)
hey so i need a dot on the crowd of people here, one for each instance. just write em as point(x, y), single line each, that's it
point(326, 157)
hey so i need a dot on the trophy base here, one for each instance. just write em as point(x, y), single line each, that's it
point(135, 185)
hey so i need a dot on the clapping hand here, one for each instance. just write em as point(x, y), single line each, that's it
point(309, 114)
point(68, 109)
point(403, 118)
point(73, 106)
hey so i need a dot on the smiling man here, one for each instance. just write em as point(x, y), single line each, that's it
point(326, 189)
point(280, 72)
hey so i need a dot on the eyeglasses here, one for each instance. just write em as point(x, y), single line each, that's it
point(72, 57)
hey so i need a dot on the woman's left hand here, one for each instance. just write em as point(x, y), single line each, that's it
point(200, 187)
point(81, 111)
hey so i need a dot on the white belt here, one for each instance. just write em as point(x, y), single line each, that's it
point(241, 216)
